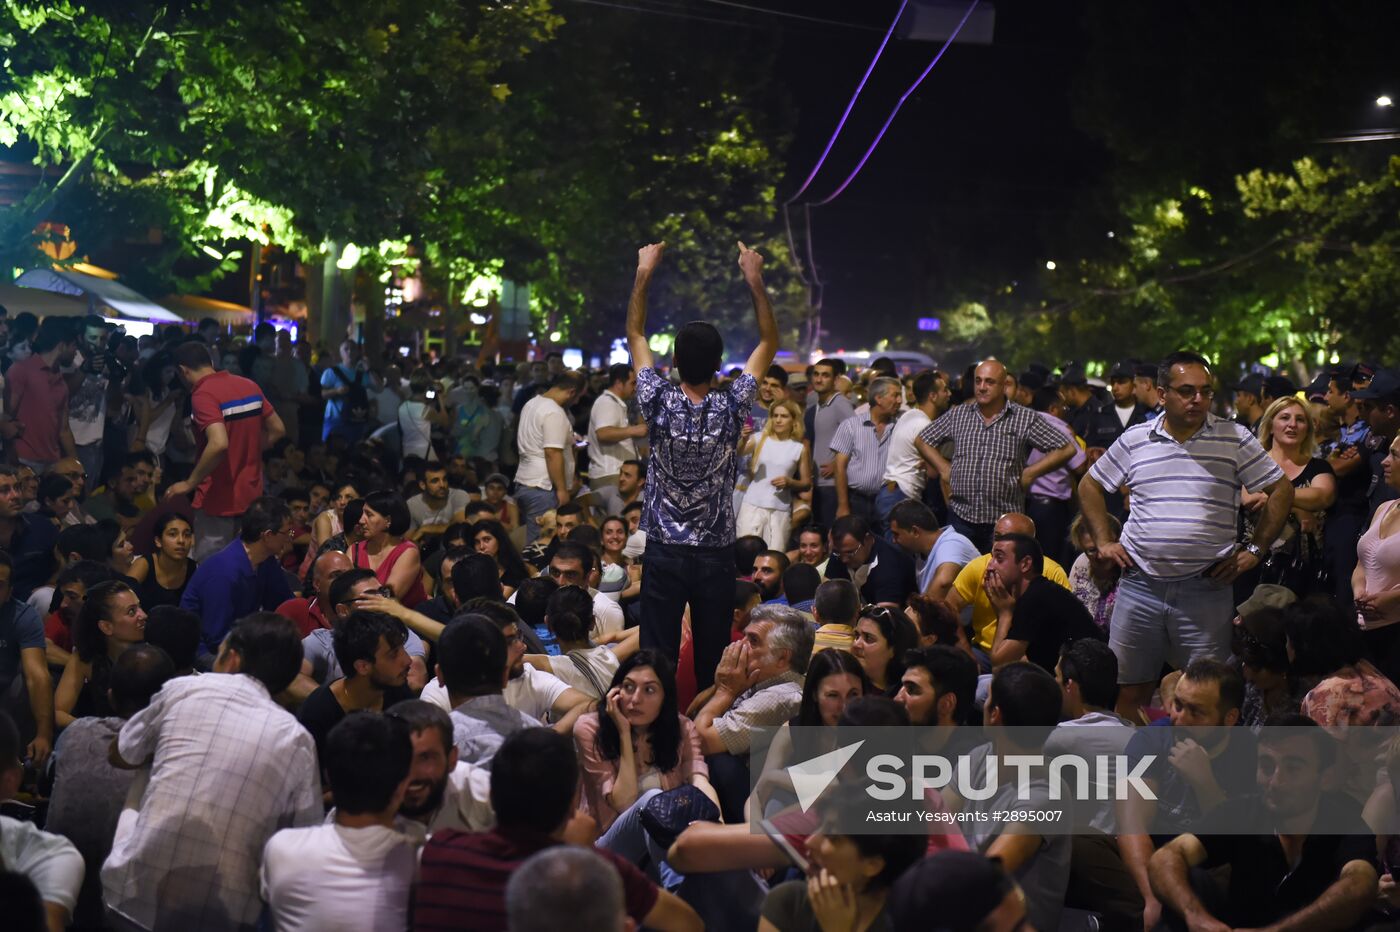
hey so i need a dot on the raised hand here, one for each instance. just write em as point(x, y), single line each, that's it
point(649, 256)
point(751, 263)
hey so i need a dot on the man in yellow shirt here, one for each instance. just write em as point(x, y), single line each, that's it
point(968, 589)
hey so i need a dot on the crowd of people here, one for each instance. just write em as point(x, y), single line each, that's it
point(464, 644)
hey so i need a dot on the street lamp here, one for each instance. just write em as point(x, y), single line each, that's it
point(1384, 101)
point(1050, 265)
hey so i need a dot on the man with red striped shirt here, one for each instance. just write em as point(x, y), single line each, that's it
point(535, 793)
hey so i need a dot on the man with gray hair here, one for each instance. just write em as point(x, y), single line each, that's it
point(758, 684)
point(861, 448)
point(565, 881)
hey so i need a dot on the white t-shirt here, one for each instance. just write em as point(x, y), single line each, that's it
point(904, 465)
point(602, 661)
point(636, 545)
point(533, 692)
point(50, 861)
point(777, 458)
point(416, 430)
point(1124, 414)
point(423, 513)
point(606, 459)
point(331, 877)
point(607, 614)
point(543, 425)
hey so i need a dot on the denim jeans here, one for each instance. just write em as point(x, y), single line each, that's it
point(703, 577)
point(533, 503)
point(885, 500)
point(1176, 620)
point(824, 505)
point(724, 900)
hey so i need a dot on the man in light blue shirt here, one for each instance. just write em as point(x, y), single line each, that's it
point(943, 550)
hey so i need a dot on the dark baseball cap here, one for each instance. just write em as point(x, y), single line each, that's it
point(1032, 378)
point(1279, 386)
point(1385, 386)
point(1073, 374)
point(1317, 389)
point(1145, 370)
point(1252, 383)
point(1122, 370)
point(1364, 371)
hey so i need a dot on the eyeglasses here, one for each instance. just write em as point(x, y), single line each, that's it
point(1188, 392)
point(876, 611)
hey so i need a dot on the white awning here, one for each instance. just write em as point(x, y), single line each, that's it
point(41, 304)
point(99, 293)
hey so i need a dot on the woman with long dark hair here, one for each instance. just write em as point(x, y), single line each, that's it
point(881, 638)
point(638, 747)
point(162, 577)
point(835, 678)
point(490, 538)
point(395, 561)
point(110, 621)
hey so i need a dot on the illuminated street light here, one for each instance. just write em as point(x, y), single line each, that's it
point(1050, 265)
point(1384, 101)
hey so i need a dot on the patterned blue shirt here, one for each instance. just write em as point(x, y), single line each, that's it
point(693, 467)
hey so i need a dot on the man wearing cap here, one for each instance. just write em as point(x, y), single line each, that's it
point(1178, 550)
point(1104, 422)
point(1347, 456)
point(1380, 401)
point(1145, 387)
point(1249, 408)
point(1274, 388)
point(1077, 396)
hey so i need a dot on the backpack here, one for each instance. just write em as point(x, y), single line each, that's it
point(357, 401)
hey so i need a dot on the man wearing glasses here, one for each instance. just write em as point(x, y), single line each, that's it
point(1185, 468)
point(243, 577)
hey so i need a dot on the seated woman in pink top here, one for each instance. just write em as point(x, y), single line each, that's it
point(639, 747)
point(395, 561)
point(1376, 581)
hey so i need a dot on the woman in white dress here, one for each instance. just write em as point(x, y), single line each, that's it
point(780, 465)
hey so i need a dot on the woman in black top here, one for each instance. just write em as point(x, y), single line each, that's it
point(162, 577)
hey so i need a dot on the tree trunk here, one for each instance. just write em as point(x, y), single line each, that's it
point(372, 297)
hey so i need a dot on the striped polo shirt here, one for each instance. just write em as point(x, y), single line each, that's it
point(1185, 496)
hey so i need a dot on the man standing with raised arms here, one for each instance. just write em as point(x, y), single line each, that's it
point(688, 514)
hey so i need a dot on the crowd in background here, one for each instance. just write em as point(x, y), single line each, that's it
point(466, 644)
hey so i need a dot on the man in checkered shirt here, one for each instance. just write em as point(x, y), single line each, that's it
point(224, 767)
point(992, 438)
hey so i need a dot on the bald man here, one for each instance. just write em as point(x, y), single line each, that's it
point(969, 589)
point(992, 437)
point(309, 614)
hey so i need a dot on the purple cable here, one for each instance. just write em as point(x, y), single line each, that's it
point(860, 87)
point(913, 87)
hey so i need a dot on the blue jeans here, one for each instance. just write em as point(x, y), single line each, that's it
point(1176, 621)
point(533, 503)
point(724, 900)
point(885, 500)
point(676, 575)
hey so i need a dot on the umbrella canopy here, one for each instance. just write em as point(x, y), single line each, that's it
point(193, 308)
point(41, 304)
point(98, 293)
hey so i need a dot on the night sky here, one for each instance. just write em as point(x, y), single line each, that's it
point(991, 169)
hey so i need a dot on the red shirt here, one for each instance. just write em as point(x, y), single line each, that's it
point(37, 395)
point(462, 879)
point(239, 405)
point(57, 630)
point(306, 613)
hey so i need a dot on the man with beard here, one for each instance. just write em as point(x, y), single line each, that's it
point(443, 792)
point(768, 570)
point(631, 477)
point(1315, 868)
point(370, 649)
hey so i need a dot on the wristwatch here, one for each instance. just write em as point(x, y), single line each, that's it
point(1254, 549)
